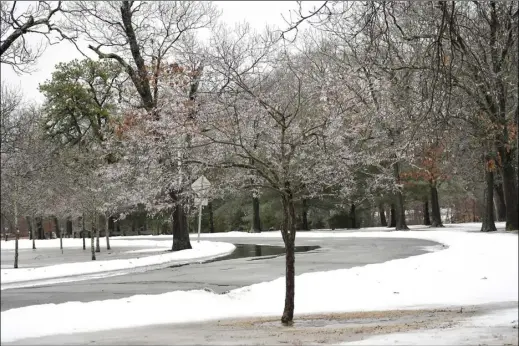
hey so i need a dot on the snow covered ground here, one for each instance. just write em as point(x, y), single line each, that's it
point(490, 329)
point(24, 277)
point(475, 268)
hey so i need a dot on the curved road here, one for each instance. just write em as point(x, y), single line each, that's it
point(221, 276)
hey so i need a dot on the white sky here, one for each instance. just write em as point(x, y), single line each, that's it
point(257, 13)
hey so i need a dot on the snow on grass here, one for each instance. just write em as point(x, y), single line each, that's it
point(77, 243)
point(475, 268)
point(496, 328)
point(23, 277)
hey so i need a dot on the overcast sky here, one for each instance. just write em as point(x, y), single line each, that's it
point(257, 13)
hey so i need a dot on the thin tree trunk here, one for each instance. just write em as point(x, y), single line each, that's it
point(60, 235)
point(83, 230)
point(488, 224)
point(33, 226)
point(107, 230)
point(256, 224)
point(436, 220)
point(39, 226)
point(353, 216)
point(500, 202)
point(211, 219)
point(98, 232)
point(17, 236)
point(304, 215)
point(392, 216)
point(401, 224)
point(382, 215)
point(426, 218)
point(92, 236)
point(56, 227)
point(29, 226)
point(68, 227)
point(289, 233)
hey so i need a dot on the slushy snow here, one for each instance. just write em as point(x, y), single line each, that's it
point(483, 330)
point(475, 268)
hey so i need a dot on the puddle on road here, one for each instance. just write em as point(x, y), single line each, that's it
point(257, 252)
point(251, 250)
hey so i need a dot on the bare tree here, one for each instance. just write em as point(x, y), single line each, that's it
point(19, 20)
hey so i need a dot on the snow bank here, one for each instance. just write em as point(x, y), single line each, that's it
point(23, 277)
point(476, 268)
point(493, 328)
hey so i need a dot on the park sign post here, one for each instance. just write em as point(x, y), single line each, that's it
point(201, 188)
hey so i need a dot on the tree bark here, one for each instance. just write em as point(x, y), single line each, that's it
point(92, 245)
point(426, 218)
point(39, 225)
point(353, 216)
point(29, 227)
point(17, 236)
point(256, 223)
point(289, 232)
point(56, 227)
point(500, 202)
point(436, 220)
point(511, 195)
point(382, 215)
point(98, 233)
point(83, 230)
point(180, 227)
point(68, 227)
point(488, 224)
point(107, 231)
point(304, 215)
point(211, 218)
point(60, 236)
point(392, 216)
point(401, 224)
point(33, 226)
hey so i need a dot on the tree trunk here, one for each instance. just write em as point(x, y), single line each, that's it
point(39, 226)
point(510, 192)
point(98, 233)
point(107, 231)
point(68, 227)
point(426, 218)
point(29, 226)
point(83, 230)
point(401, 224)
point(304, 215)
point(500, 202)
point(436, 220)
point(353, 216)
point(392, 216)
point(56, 227)
point(92, 246)
point(17, 236)
point(211, 219)
point(256, 224)
point(488, 216)
point(33, 226)
point(382, 215)
point(60, 236)
point(289, 232)
point(180, 227)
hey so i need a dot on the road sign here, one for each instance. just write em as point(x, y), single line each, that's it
point(201, 185)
